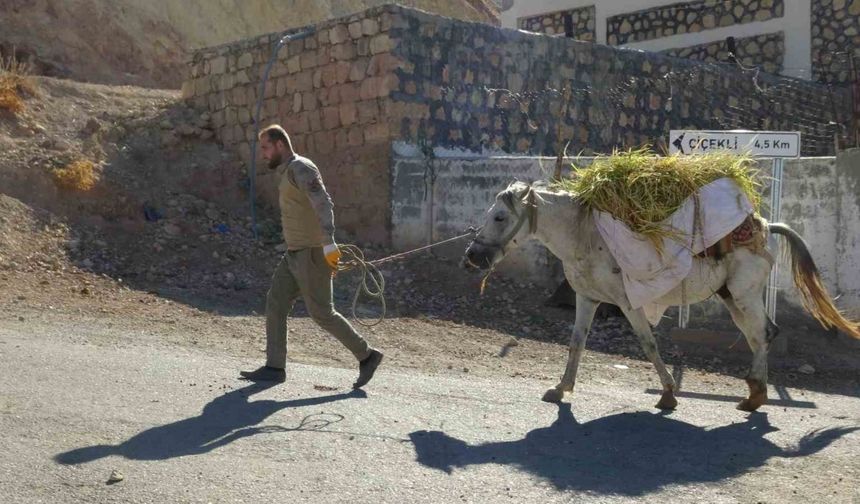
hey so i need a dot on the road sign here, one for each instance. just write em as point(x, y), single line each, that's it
point(769, 144)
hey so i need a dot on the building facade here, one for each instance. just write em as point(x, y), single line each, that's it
point(808, 39)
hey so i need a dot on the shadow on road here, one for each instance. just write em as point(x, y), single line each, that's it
point(628, 454)
point(224, 420)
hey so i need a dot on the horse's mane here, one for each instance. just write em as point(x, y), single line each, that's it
point(518, 190)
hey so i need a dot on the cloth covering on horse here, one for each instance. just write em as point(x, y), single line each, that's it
point(706, 222)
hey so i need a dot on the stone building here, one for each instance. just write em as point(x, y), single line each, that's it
point(809, 39)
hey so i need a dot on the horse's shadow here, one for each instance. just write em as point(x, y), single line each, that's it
point(223, 420)
point(628, 454)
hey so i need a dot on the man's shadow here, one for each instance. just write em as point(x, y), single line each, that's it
point(629, 454)
point(225, 419)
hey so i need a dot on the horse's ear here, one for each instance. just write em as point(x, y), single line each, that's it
point(532, 197)
point(523, 197)
point(507, 197)
point(529, 196)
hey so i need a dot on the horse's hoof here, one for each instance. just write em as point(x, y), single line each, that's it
point(667, 402)
point(553, 395)
point(750, 405)
point(758, 395)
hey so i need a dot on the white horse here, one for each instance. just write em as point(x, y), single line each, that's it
point(565, 226)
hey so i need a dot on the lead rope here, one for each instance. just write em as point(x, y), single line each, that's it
point(372, 282)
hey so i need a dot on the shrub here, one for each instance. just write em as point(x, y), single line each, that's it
point(16, 82)
point(78, 175)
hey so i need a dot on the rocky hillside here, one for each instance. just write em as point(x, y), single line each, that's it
point(145, 43)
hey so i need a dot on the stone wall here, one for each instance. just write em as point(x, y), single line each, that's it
point(498, 90)
point(688, 17)
point(392, 73)
point(331, 93)
point(835, 32)
point(763, 51)
point(553, 23)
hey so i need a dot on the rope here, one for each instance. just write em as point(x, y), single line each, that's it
point(469, 232)
point(352, 257)
point(372, 283)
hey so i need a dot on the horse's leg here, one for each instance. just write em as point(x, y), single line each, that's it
point(748, 275)
point(649, 345)
point(585, 309)
point(749, 315)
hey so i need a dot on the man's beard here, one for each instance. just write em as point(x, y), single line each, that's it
point(275, 160)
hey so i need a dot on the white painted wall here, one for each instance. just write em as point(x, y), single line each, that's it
point(432, 202)
point(796, 25)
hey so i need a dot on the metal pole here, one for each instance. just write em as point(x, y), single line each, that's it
point(252, 172)
point(684, 308)
point(775, 204)
point(855, 131)
point(683, 316)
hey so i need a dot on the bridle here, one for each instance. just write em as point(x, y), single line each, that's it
point(529, 213)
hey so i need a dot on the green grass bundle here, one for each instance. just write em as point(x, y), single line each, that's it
point(642, 190)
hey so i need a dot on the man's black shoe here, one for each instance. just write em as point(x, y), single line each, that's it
point(366, 368)
point(265, 374)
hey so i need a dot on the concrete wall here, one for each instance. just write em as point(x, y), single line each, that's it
point(848, 242)
point(438, 199)
point(434, 200)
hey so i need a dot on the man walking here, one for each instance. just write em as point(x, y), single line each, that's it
point(307, 266)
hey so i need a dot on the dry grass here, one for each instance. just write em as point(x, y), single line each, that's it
point(642, 190)
point(16, 83)
point(78, 175)
point(9, 98)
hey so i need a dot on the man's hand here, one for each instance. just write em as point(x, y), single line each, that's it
point(332, 255)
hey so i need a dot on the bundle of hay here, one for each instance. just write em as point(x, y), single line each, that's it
point(642, 190)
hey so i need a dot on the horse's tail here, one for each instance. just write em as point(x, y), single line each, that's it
point(814, 295)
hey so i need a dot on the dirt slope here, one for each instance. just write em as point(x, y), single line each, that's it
point(144, 43)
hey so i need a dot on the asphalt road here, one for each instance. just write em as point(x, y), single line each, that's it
point(180, 427)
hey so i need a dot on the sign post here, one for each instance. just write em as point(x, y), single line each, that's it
point(775, 216)
point(777, 145)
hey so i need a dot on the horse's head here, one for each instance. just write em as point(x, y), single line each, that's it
point(505, 225)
